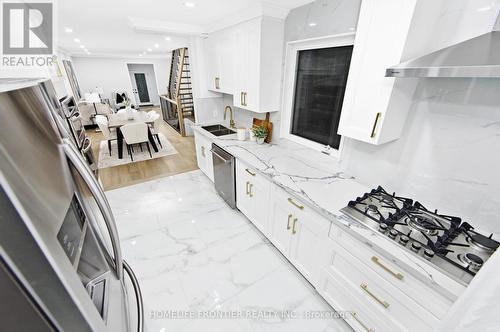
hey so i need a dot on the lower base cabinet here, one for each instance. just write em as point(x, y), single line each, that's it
point(203, 155)
point(252, 196)
point(341, 268)
point(297, 232)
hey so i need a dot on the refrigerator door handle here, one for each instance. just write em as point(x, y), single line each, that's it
point(95, 188)
point(138, 295)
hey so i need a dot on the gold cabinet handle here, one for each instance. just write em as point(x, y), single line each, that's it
point(288, 227)
point(241, 99)
point(203, 151)
point(250, 172)
point(245, 98)
point(300, 207)
point(355, 316)
point(396, 275)
point(375, 124)
point(294, 231)
point(251, 186)
point(364, 286)
point(248, 190)
point(217, 83)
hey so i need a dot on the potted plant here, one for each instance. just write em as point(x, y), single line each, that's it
point(260, 133)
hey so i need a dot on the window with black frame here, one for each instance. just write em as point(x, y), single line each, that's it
point(320, 83)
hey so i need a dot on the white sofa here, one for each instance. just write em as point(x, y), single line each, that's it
point(115, 105)
point(87, 111)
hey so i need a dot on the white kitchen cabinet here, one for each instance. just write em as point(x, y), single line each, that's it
point(297, 232)
point(252, 195)
point(380, 298)
point(245, 60)
point(220, 62)
point(431, 295)
point(258, 64)
point(203, 155)
point(375, 107)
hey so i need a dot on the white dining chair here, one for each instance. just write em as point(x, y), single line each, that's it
point(109, 135)
point(155, 128)
point(135, 133)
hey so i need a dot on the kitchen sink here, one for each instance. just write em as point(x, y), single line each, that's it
point(218, 130)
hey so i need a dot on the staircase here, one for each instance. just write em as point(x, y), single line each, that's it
point(180, 93)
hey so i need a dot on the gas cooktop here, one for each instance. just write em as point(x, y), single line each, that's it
point(445, 241)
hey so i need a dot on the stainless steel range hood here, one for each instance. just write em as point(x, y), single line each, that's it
point(476, 57)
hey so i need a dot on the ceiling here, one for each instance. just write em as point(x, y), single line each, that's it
point(105, 27)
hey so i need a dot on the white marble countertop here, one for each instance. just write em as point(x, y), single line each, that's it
point(307, 174)
point(316, 179)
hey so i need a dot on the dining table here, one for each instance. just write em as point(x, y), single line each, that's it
point(116, 121)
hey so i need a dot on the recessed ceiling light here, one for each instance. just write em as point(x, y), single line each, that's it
point(140, 54)
point(352, 29)
point(189, 4)
point(68, 30)
point(76, 40)
point(484, 9)
point(167, 38)
point(82, 46)
point(156, 45)
point(312, 24)
point(150, 50)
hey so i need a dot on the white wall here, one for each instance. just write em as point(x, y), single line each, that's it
point(112, 73)
point(149, 71)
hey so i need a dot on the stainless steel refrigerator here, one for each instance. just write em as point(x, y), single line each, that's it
point(61, 266)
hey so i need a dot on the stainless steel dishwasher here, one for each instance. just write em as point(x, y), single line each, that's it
point(224, 174)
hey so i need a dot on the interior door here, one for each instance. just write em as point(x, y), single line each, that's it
point(141, 88)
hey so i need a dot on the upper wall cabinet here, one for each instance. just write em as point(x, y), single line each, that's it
point(219, 48)
point(246, 61)
point(375, 107)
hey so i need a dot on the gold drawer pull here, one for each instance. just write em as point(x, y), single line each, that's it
point(294, 231)
point(396, 275)
point(288, 227)
point(375, 124)
point(250, 191)
point(385, 304)
point(250, 172)
point(203, 151)
point(355, 316)
point(295, 204)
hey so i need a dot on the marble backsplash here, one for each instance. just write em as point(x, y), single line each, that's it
point(449, 154)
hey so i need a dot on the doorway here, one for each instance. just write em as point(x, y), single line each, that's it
point(144, 87)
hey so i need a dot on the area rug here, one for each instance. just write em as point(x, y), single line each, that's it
point(105, 160)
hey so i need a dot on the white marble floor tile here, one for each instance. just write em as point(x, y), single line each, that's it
point(195, 255)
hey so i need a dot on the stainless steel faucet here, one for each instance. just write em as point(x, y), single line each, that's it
point(231, 120)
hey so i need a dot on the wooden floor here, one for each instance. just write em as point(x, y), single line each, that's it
point(126, 175)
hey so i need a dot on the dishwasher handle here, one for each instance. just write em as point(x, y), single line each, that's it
point(226, 161)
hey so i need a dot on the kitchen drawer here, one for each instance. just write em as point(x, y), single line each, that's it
point(354, 311)
point(377, 293)
point(388, 270)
